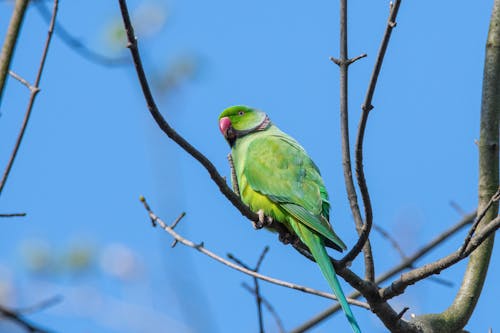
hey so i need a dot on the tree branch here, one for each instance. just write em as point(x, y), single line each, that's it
point(269, 307)
point(256, 290)
point(399, 286)
point(76, 45)
point(366, 107)
point(494, 199)
point(13, 215)
point(200, 248)
point(10, 41)
point(17, 316)
point(168, 130)
point(33, 93)
point(343, 62)
point(405, 264)
point(457, 315)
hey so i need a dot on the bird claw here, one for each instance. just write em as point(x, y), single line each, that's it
point(264, 221)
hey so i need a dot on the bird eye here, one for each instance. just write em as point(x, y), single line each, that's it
point(240, 113)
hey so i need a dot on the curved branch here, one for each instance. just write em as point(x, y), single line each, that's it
point(168, 130)
point(457, 315)
point(76, 45)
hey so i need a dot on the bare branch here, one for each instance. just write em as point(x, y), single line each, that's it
point(456, 316)
point(398, 287)
point(50, 302)
point(360, 174)
point(391, 240)
point(479, 217)
point(19, 319)
point(343, 62)
point(256, 291)
point(202, 249)
point(168, 130)
point(34, 91)
point(76, 44)
point(11, 40)
point(269, 307)
point(22, 80)
point(13, 215)
point(405, 264)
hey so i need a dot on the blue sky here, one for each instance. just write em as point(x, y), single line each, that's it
point(92, 149)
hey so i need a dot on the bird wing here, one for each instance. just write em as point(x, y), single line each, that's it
point(279, 168)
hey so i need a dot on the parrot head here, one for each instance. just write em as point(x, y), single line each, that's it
point(239, 120)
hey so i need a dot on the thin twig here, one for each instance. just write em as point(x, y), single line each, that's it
point(269, 307)
point(50, 302)
point(398, 287)
point(403, 256)
point(457, 208)
point(405, 264)
point(19, 319)
point(202, 249)
point(22, 80)
point(479, 217)
point(11, 40)
point(76, 44)
point(257, 294)
point(13, 215)
point(34, 91)
point(391, 240)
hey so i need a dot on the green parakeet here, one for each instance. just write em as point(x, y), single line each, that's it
point(276, 177)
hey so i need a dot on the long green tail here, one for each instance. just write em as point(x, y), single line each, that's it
point(315, 245)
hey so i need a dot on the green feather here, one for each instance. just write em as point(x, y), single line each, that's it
point(315, 245)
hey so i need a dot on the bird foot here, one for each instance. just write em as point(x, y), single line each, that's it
point(264, 221)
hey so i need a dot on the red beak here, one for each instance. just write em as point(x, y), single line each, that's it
point(224, 125)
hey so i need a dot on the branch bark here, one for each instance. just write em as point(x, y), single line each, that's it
point(10, 41)
point(201, 248)
point(343, 62)
point(458, 314)
point(360, 174)
point(33, 93)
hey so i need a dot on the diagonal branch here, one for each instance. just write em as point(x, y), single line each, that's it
point(33, 93)
point(479, 218)
point(20, 320)
point(177, 138)
point(399, 286)
point(168, 130)
point(76, 44)
point(200, 248)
